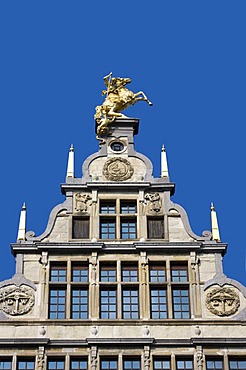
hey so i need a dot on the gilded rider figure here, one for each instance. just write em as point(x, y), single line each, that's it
point(118, 98)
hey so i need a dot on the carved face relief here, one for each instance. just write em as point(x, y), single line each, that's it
point(154, 202)
point(81, 202)
point(16, 300)
point(222, 301)
point(117, 169)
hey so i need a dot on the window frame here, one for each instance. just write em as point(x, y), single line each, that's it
point(117, 217)
point(151, 234)
point(86, 230)
point(68, 305)
point(214, 359)
point(162, 359)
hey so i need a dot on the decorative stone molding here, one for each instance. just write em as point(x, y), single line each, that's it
point(206, 234)
point(146, 357)
point(197, 330)
point(154, 202)
point(65, 206)
point(42, 331)
point(40, 359)
point(16, 300)
point(93, 358)
point(199, 357)
point(146, 331)
point(222, 301)
point(18, 280)
point(82, 202)
point(118, 169)
point(94, 331)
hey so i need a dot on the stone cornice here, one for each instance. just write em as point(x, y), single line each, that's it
point(181, 247)
point(211, 342)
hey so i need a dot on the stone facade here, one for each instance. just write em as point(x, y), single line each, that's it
point(118, 280)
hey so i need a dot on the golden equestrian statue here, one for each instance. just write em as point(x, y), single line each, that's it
point(117, 99)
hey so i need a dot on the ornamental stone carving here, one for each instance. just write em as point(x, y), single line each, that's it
point(118, 169)
point(16, 300)
point(154, 202)
point(222, 301)
point(82, 202)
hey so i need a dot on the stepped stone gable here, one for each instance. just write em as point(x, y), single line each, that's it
point(118, 280)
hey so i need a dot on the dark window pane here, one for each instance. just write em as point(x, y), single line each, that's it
point(77, 363)
point(128, 229)
point(237, 363)
point(58, 273)
point(184, 364)
point(107, 229)
point(80, 273)
point(157, 274)
point(108, 307)
point(181, 309)
point(128, 207)
point(109, 364)
point(129, 273)
point(57, 304)
point(25, 364)
point(5, 364)
point(214, 363)
point(158, 298)
point(108, 273)
point(130, 304)
point(162, 364)
point(107, 207)
point(56, 364)
point(155, 227)
point(81, 228)
point(131, 364)
point(117, 146)
point(79, 303)
point(179, 273)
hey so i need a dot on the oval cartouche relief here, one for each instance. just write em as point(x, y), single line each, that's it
point(118, 169)
point(16, 300)
point(222, 301)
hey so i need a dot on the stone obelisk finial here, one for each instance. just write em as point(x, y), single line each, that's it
point(70, 162)
point(164, 167)
point(22, 224)
point(214, 224)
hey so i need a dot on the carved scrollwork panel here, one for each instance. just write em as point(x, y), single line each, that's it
point(16, 300)
point(118, 169)
point(222, 301)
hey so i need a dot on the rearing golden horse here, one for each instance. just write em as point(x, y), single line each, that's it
point(118, 98)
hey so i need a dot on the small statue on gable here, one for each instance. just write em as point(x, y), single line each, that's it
point(82, 202)
point(154, 202)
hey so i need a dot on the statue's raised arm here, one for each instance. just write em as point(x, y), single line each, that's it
point(118, 98)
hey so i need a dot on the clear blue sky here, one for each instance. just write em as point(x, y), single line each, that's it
point(188, 56)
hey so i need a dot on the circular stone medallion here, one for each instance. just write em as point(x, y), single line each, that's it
point(16, 300)
point(117, 169)
point(222, 301)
